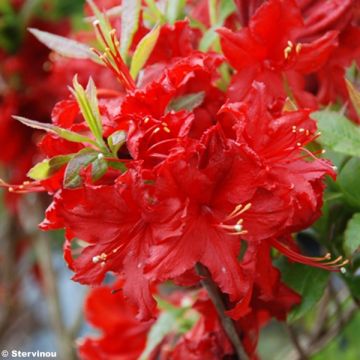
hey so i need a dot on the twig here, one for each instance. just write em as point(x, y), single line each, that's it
point(295, 340)
point(227, 323)
point(44, 256)
point(322, 315)
point(9, 271)
point(333, 331)
point(315, 345)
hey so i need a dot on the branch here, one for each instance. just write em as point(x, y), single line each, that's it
point(315, 345)
point(216, 298)
point(44, 257)
point(295, 340)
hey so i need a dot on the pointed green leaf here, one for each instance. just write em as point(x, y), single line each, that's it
point(174, 10)
point(309, 282)
point(352, 235)
point(116, 141)
point(89, 108)
point(48, 167)
point(187, 102)
point(163, 326)
point(208, 39)
point(337, 132)
point(156, 15)
point(143, 51)
point(348, 181)
point(63, 133)
point(354, 96)
point(82, 159)
point(227, 7)
point(129, 24)
point(117, 165)
point(98, 168)
point(63, 46)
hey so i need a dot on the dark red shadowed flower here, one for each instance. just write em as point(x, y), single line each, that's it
point(270, 298)
point(207, 339)
point(122, 336)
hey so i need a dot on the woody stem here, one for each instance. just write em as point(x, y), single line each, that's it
point(227, 323)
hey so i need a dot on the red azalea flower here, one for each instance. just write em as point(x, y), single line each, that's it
point(122, 336)
point(132, 218)
point(266, 53)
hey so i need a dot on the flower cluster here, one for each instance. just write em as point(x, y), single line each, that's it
point(196, 160)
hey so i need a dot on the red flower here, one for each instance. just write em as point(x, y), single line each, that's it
point(295, 181)
point(119, 223)
point(122, 336)
point(266, 53)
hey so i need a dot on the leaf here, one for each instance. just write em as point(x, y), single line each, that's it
point(163, 325)
point(174, 10)
point(352, 234)
point(129, 24)
point(117, 165)
point(63, 46)
point(98, 168)
point(354, 96)
point(187, 102)
point(63, 133)
point(227, 7)
point(48, 167)
point(348, 182)
point(308, 281)
point(88, 104)
point(83, 158)
point(338, 133)
point(109, 13)
point(143, 51)
point(208, 39)
point(212, 11)
point(155, 12)
point(116, 140)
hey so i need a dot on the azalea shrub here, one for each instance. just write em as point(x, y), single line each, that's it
point(203, 160)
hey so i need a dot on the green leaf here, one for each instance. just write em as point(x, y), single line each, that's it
point(163, 326)
point(227, 7)
point(308, 281)
point(212, 11)
point(157, 15)
point(208, 39)
point(102, 19)
point(352, 234)
point(116, 140)
point(348, 181)
point(143, 51)
point(48, 167)
point(98, 168)
point(354, 96)
point(187, 102)
point(63, 133)
point(129, 24)
point(82, 159)
point(63, 46)
point(338, 133)
point(89, 107)
point(174, 10)
point(117, 165)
